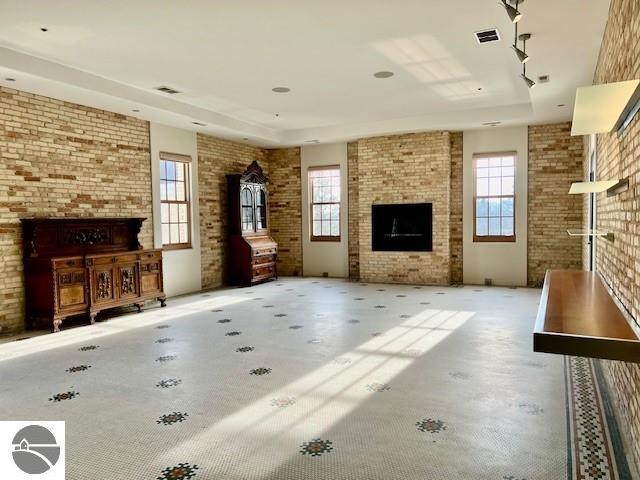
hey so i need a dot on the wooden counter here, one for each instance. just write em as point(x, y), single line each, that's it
point(577, 316)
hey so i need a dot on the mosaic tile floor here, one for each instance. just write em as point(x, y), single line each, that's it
point(318, 379)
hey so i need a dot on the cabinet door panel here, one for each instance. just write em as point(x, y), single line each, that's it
point(71, 289)
point(103, 283)
point(128, 281)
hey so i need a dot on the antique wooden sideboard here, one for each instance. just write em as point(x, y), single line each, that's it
point(252, 252)
point(75, 266)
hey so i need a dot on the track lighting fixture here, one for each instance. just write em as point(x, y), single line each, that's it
point(523, 38)
point(523, 57)
point(513, 12)
point(530, 83)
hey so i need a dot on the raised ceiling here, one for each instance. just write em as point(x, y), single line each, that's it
point(226, 56)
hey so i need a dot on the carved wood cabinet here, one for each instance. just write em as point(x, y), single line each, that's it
point(80, 266)
point(252, 252)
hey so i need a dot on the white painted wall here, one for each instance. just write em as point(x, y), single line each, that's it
point(330, 257)
point(182, 273)
point(504, 263)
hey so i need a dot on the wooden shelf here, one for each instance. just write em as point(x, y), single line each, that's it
point(577, 316)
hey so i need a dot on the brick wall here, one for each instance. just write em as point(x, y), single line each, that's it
point(455, 214)
point(619, 156)
point(405, 169)
point(285, 208)
point(555, 161)
point(59, 159)
point(354, 230)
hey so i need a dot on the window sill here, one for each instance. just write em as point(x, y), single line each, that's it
point(180, 246)
point(325, 239)
point(493, 239)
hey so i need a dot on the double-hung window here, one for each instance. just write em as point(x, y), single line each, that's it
point(494, 197)
point(324, 192)
point(175, 204)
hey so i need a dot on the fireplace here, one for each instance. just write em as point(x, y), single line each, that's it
point(402, 227)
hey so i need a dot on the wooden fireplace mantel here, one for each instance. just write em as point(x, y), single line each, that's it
point(577, 316)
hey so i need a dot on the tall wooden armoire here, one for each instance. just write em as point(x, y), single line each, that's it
point(252, 252)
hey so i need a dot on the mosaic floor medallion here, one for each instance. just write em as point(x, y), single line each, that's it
point(182, 471)
point(160, 327)
point(171, 418)
point(244, 349)
point(296, 327)
point(531, 408)
point(380, 290)
point(358, 299)
point(260, 371)
point(257, 298)
point(267, 306)
point(233, 333)
point(440, 293)
point(405, 316)
point(417, 288)
point(283, 402)
point(425, 303)
point(378, 387)
point(342, 360)
point(224, 320)
point(511, 477)
point(315, 341)
point(86, 348)
point(353, 321)
point(364, 284)
point(164, 340)
point(170, 382)
point(58, 397)
point(413, 352)
point(459, 375)
point(166, 358)
point(379, 306)
point(78, 368)
point(218, 310)
point(428, 425)
point(301, 295)
point(400, 296)
point(280, 315)
point(316, 447)
point(377, 334)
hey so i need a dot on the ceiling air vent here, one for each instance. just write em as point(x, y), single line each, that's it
point(165, 89)
point(487, 36)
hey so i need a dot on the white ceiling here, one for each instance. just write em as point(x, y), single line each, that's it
point(227, 55)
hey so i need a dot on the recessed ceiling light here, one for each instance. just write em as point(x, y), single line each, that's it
point(9, 79)
point(491, 124)
point(165, 89)
point(312, 141)
point(561, 105)
point(135, 110)
point(200, 124)
point(383, 74)
point(281, 89)
point(277, 114)
point(44, 29)
point(245, 139)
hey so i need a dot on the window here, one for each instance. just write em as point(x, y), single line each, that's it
point(324, 186)
point(494, 197)
point(246, 204)
point(175, 204)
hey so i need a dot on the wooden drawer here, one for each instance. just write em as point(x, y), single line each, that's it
point(264, 251)
point(110, 259)
point(69, 262)
point(150, 256)
point(261, 271)
point(263, 259)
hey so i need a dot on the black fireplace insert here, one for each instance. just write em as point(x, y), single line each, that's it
point(402, 227)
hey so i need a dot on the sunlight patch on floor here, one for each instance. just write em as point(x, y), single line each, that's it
point(113, 326)
point(323, 397)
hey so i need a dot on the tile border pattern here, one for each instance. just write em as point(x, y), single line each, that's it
point(594, 444)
